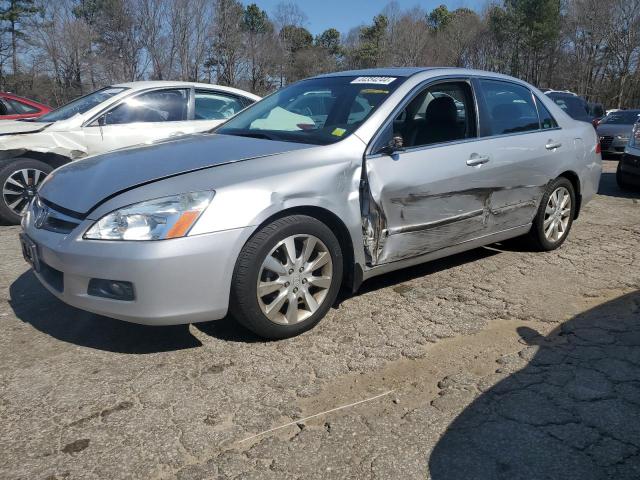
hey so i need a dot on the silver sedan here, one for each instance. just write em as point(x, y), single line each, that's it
point(323, 184)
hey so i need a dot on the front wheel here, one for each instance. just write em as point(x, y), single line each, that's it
point(20, 180)
point(286, 278)
point(555, 215)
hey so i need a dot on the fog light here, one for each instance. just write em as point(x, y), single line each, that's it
point(114, 289)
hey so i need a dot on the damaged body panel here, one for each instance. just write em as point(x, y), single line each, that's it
point(430, 198)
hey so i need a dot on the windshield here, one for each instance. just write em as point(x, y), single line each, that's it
point(81, 105)
point(625, 117)
point(319, 111)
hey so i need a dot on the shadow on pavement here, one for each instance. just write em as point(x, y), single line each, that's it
point(33, 304)
point(423, 269)
point(609, 187)
point(572, 413)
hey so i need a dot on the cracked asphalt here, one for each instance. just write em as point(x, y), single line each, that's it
point(497, 363)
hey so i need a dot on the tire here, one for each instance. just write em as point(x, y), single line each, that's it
point(15, 188)
point(307, 288)
point(537, 234)
point(620, 179)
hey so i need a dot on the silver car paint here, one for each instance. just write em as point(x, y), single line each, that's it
point(408, 213)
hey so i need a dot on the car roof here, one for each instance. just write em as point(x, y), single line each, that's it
point(384, 72)
point(142, 85)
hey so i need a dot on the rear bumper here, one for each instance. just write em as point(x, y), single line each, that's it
point(175, 281)
point(611, 145)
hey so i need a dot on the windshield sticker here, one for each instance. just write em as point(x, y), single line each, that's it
point(374, 80)
point(338, 132)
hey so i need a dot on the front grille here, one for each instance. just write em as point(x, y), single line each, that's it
point(47, 218)
point(53, 277)
point(605, 142)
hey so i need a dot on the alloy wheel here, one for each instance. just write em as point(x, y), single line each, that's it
point(294, 279)
point(557, 214)
point(20, 187)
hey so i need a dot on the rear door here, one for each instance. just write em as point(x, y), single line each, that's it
point(525, 144)
point(139, 119)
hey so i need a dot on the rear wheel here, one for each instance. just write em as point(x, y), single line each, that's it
point(20, 180)
point(555, 215)
point(286, 278)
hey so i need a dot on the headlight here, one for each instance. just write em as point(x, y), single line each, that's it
point(623, 137)
point(159, 219)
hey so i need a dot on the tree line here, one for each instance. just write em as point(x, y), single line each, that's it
point(56, 50)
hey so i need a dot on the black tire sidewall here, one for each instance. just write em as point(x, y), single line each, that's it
point(6, 170)
point(244, 302)
point(538, 224)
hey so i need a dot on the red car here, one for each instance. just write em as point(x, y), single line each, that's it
point(13, 107)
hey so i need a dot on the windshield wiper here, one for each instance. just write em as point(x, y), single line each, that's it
point(251, 134)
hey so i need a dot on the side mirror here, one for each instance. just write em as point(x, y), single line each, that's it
point(102, 120)
point(396, 144)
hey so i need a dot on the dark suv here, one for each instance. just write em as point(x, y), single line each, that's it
point(573, 105)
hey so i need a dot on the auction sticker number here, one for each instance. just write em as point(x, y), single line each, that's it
point(374, 80)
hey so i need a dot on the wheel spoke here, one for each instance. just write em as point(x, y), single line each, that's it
point(13, 205)
point(548, 210)
point(307, 251)
point(13, 181)
point(292, 310)
point(549, 229)
point(321, 260)
point(547, 222)
point(320, 282)
point(565, 200)
point(36, 177)
point(311, 302)
point(25, 176)
point(274, 265)
point(290, 249)
point(265, 288)
point(274, 307)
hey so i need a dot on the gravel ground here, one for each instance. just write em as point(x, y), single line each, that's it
point(497, 363)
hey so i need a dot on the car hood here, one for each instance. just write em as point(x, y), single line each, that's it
point(81, 185)
point(13, 127)
point(611, 129)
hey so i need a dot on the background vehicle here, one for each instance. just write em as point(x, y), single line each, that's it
point(111, 118)
point(272, 212)
point(13, 107)
point(614, 131)
point(573, 105)
point(628, 172)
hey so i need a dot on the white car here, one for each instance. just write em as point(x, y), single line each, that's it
point(114, 117)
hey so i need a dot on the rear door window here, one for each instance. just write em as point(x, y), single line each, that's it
point(21, 108)
point(215, 105)
point(157, 106)
point(510, 107)
point(546, 119)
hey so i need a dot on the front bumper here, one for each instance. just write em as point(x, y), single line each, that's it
point(176, 281)
point(612, 145)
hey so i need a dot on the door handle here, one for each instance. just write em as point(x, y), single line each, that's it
point(476, 160)
point(551, 145)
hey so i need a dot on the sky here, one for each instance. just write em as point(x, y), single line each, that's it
point(346, 14)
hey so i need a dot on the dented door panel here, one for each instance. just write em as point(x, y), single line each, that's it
point(427, 199)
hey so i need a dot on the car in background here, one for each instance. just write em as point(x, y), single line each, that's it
point(614, 131)
point(13, 107)
point(628, 172)
point(573, 105)
point(272, 212)
point(111, 118)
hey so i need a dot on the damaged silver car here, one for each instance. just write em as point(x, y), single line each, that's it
point(323, 184)
point(110, 118)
